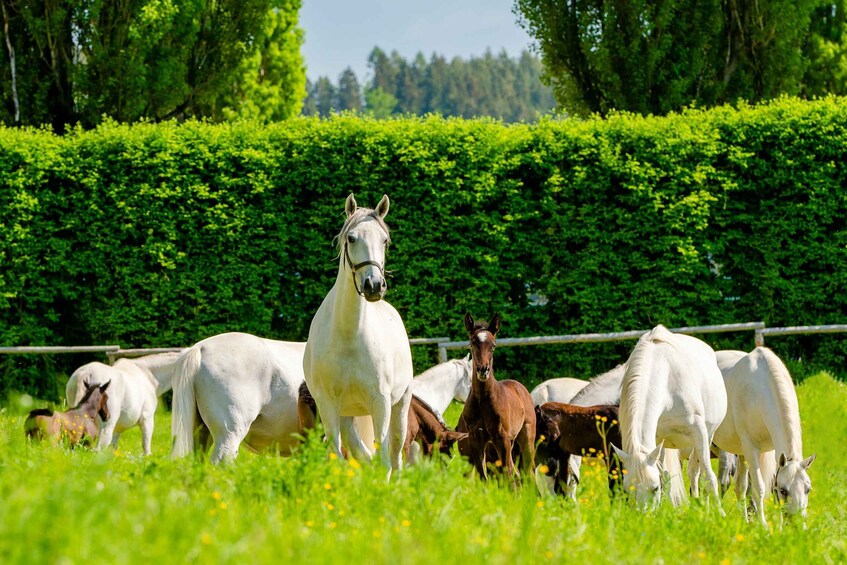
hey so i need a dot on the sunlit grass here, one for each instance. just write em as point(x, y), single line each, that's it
point(59, 505)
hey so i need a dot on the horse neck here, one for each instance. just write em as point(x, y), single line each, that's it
point(439, 384)
point(602, 389)
point(639, 417)
point(348, 308)
point(786, 422)
point(159, 368)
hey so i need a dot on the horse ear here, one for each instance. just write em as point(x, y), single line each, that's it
point(622, 455)
point(782, 460)
point(807, 462)
point(494, 326)
point(350, 205)
point(105, 386)
point(653, 457)
point(382, 207)
point(469, 323)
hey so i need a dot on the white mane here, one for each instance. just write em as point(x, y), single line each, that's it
point(786, 398)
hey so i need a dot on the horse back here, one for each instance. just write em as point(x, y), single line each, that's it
point(583, 427)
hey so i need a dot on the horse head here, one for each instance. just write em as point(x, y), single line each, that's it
point(447, 439)
point(546, 426)
point(362, 241)
point(643, 476)
point(102, 402)
point(792, 485)
point(482, 343)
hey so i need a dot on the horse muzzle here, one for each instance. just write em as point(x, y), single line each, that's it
point(482, 373)
point(373, 288)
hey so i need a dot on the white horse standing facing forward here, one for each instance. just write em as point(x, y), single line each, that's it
point(358, 360)
point(244, 388)
point(672, 389)
point(764, 415)
point(136, 385)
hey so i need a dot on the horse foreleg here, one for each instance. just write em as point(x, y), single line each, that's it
point(526, 444)
point(398, 429)
point(146, 425)
point(332, 425)
point(381, 413)
point(757, 483)
point(741, 480)
point(104, 438)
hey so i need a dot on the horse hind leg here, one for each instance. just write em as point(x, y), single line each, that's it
point(146, 424)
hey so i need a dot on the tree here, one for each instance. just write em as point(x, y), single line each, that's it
point(325, 97)
point(379, 103)
point(658, 56)
point(271, 83)
point(827, 51)
point(349, 91)
point(74, 61)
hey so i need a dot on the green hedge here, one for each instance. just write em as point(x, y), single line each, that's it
point(161, 235)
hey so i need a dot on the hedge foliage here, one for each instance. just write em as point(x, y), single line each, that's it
point(164, 234)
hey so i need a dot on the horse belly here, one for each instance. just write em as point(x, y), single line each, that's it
point(273, 431)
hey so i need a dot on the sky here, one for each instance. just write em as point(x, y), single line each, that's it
point(342, 33)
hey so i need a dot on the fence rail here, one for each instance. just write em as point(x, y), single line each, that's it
point(444, 344)
point(601, 337)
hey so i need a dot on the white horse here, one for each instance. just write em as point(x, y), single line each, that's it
point(136, 385)
point(764, 415)
point(443, 383)
point(557, 390)
point(244, 389)
point(358, 360)
point(602, 389)
point(672, 390)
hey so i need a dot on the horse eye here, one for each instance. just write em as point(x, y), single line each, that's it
point(808, 490)
point(783, 492)
point(350, 239)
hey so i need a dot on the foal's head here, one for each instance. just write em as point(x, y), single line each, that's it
point(95, 400)
point(483, 341)
point(546, 425)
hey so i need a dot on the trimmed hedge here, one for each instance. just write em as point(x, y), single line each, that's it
point(161, 235)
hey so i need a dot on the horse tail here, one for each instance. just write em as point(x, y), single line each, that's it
point(673, 466)
point(184, 404)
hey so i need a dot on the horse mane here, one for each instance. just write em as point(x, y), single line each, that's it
point(638, 370)
point(786, 396)
point(430, 410)
point(40, 412)
point(597, 382)
point(360, 215)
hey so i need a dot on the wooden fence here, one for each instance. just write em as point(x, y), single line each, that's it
point(114, 352)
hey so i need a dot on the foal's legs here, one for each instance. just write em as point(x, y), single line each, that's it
point(526, 444)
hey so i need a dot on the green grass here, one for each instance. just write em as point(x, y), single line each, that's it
point(63, 506)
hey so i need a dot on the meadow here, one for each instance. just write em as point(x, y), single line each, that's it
point(75, 506)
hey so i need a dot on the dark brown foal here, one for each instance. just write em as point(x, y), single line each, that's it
point(497, 414)
point(577, 430)
point(426, 428)
point(76, 425)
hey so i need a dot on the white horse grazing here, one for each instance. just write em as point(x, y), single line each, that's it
point(245, 389)
point(358, 360)
point(443, 383)
point(136, 385)
point(764, 415)
point(672, 390)
point(557, 390)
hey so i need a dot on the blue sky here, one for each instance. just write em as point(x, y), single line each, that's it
point(342, 33)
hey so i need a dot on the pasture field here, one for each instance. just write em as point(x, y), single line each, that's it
point(63, 506)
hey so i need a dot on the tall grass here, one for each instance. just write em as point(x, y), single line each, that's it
point(64, 506)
